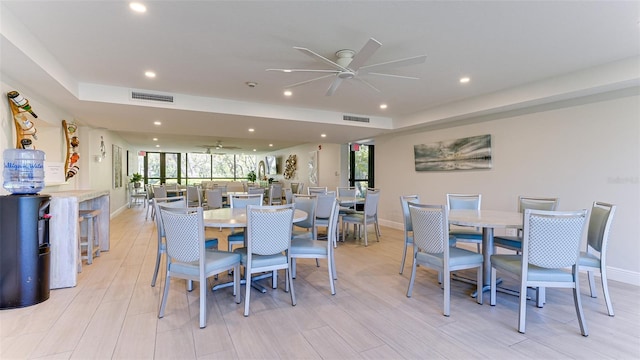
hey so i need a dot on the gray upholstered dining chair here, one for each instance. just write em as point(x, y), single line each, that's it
point(194, 196)
point(305, 229)
point(241, 201)
point(324, 206)
point(465, 202)
point(431, 240)
point(174, 202)
point(408, 228)
point(275, 194)
point(317, 249)
point(368, 217)
point(268, 245)
point(187, 258)
point(550, 246)
point(595, 256)
point(524, 202)
point(213, 199)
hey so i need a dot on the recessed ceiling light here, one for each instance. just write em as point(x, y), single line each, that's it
point(155, 139)
point(288, 93)
point(137, 7)
point(383, 106)
point(270, 145)
point(157, 123)
point(150, 74)
point(323, 135)
point(464, 80)
point(286, 70)
point(254, 149)
point(157, 145)
point(251, 130)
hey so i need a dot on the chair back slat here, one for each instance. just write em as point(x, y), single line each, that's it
point(537, 203)
point(308, 205)
point(429, 227)
point(183, 232)
point(599, 225)
point(371, 203)
point(406, 216)
point(269, 229)
point(240, 201)
point(464, 201)
point(552, 238)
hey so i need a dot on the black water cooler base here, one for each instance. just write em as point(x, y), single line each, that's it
point(24, 250)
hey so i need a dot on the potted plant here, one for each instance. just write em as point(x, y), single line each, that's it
point(251, 176)
point(136, 178)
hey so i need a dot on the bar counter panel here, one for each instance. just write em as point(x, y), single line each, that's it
point(63, 231)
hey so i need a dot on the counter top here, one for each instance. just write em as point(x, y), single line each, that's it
point(81, 195)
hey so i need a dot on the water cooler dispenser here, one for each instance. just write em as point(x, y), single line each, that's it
point(24, 231)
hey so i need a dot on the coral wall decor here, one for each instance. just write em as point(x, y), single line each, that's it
point(290, 167)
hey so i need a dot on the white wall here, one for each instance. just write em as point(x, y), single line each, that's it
point(580, 153)
point(329, 170)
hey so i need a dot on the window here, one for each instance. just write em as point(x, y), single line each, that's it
point(193, 168)
point(361, 168)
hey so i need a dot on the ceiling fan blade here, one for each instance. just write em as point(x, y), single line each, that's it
point(303, 70)
point(395, 63)
point(394, 76)
point(320, 58)
point(368, 84)
point(334, 86)
point(308, 81)
point(364, 54)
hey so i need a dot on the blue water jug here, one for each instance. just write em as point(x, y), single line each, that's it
point(23, 171)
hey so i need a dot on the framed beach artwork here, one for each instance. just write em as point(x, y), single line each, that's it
point(470, 153)
point(313, 168)
point(117, 166)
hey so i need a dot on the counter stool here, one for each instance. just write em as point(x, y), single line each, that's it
point(79, 257)
point(92, 240)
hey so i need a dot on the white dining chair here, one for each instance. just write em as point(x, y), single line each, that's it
point(268, 245)
point(550, 247)
point(318, 249)
point(465, 202)
point(408, 228)
point(431, 240)
point(594, 258)
point(187, 258)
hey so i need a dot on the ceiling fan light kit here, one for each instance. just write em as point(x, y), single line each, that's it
point(349, 65)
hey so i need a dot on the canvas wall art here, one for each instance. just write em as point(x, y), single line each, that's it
point(117, 166)
point(468, 153)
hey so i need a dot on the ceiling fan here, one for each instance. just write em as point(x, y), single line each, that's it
point(350, 65)
point(218, 146)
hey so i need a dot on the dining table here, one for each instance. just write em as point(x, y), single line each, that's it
point(237, 217)
point(488, 220)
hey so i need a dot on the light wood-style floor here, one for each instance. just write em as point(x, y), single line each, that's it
point(112, 313)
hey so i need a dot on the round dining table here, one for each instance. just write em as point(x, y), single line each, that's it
point(237, 217)
point(488, 220)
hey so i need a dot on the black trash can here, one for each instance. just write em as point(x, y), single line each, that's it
point(24, 250)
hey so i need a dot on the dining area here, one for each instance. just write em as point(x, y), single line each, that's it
point(369, 316)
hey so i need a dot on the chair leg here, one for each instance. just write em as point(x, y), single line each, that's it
point(366, 240)
point(293, 267)
point(236, 283)
point(578, 302)
point(413, 277)
point(592, 284)
point(479, 296)
point(404, 257)
point(247, 294)
point(447, 293)
point(291, 291)
point(331, 269)
point(165, 294)
point(492, 294)
point(541, 296)
point(605, 289)
point(274, 279)
point(155, 272)
point(203, 302)
point(522, 313)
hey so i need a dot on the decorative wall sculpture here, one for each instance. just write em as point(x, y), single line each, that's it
point(313, 168)
point(460, 154)
point(25, 129)
point(290, 167)
point(71, 167)
point(117, 166)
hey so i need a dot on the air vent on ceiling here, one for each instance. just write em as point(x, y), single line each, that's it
point(355, 118)
point(151, 97)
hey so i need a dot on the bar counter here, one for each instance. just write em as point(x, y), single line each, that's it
point(63, 231)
